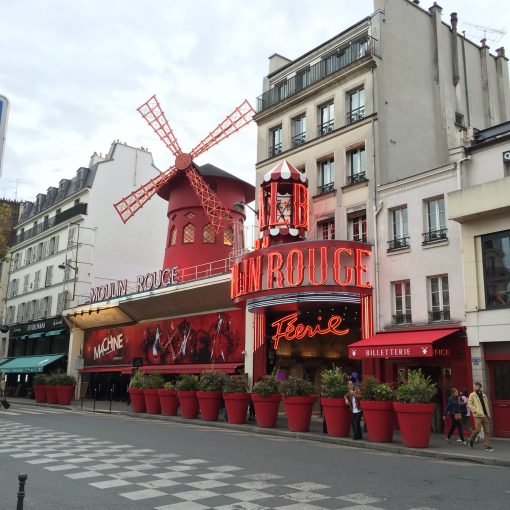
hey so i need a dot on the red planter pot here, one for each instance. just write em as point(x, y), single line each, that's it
point(237, 407)
point(169, 402)
point(380, 420)
point(51, 394)
point(152, 405)
point(65, 394)
point(299, 412)
point(137, 400)
point(189, 403)
point(40, 393)
point(266, 410)
point(209, 402)
point(414, 421)
point(338, 416)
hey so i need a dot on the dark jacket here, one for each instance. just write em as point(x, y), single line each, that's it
point(452, 406)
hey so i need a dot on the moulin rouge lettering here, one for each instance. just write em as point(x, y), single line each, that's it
point(108, 345)
point(289, 329)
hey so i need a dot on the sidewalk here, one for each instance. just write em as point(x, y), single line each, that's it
point(438, 449)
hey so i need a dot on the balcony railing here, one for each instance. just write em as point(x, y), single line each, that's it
point(298, 139)
point(398, 244)
point(326, 188)
point(326, 127)
point(435, 235)
point(402, 318)
point(439, 315)
point(77, 209)
point(345, 56)
point(274, 150)
point(355, 115)
point(355, 178)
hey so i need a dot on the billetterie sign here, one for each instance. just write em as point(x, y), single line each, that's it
point(145, 282)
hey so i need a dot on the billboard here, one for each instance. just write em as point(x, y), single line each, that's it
point(4, 111)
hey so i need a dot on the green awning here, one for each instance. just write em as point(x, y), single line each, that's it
point(36, 335)
point(29, 364)
point(55, 332)
point(3, 360)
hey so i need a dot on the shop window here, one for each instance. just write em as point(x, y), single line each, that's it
point(188, 234)
point(275, 141)
point(402, 302)
point(326, 229)
point(439, 299)
point(228, 236)
point(172, 237)
point(208, 234)
point(496, 269)
point(357, 165)
point(435, 218)
point(356, 106)
point(501, 373)
point(326, 176)
point(326, 119)
point(399, 229)
point(357, 223)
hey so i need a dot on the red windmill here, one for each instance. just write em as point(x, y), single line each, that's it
point(217, 217)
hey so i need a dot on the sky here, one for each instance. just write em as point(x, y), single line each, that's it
point(75, 72)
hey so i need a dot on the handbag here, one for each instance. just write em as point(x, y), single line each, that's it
point(457, 416)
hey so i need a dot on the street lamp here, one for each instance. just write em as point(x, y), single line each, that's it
point(239, 206)
point(66, 264)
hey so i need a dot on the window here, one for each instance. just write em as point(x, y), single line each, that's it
point(402, 302)
point(9, 315)
point(72, 236)
point(357, 165)
point(45, 307)
point(62, 302)
point(298, 130)
point(49, 274)
point(275, 141)
point(356, 106)
point(29, 256)
point(13, 287)
point(21, 312)
point(496, 269)
point(188, 235)
point(26, 278)
point(303, 79)
point(399, 233)
point(37, 279)
point(172, 237)
point(39, 252)
point(17, 261)
point(53, 246)
point(208, 234)
point(281, 90)
point(436, 221)
point(326, 176)
point(228, 236)
point(32, 310)
point(358, 227)
point(326, 119)
point(439, 299)
point(326, 229)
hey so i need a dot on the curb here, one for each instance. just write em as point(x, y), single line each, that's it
point(306, 436)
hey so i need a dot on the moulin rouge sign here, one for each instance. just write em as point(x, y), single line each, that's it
point(302, 265)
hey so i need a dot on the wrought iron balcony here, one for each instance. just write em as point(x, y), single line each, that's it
point(298, 139)
point(326, 127)
point(398, 244)
point(326, 188)
point(274, 150)
point(435, 235)
point(355, 115)
point(77, 209)
point(439, 315)
point(402, 318)
point(346, 55)
point(355, 178)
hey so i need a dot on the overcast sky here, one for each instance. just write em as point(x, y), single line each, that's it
point(75, 72)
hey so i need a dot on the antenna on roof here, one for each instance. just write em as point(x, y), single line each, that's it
point(497, 33)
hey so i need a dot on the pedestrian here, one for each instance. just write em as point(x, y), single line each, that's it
point(352, 399)
point(2, 386)
point(466, 413)
point(437, 415)
point(478, 404)
point(452, 409)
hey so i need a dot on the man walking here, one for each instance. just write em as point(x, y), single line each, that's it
point(478, 404)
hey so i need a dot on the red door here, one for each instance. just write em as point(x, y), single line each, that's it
point(500, 385)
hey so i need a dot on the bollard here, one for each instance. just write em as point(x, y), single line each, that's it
point(21, 491)
point(111, 398)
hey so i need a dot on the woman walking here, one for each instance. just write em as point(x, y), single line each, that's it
point(453, 410)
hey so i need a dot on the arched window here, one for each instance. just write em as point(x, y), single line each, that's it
point(208, 234)
point(188, 235)
point(228, 236)
point(172, 238)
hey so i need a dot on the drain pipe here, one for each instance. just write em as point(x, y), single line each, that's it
point(458, 168)
point(377, 210)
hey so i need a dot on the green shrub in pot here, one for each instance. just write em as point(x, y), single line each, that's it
point(269, 385)
point(333, 382)
point(235, 385)
point(372, 389)
point(417, 389)
point(212, 381)
point(297, 387)
point(187, 382)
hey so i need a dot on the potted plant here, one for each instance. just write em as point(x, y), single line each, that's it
point(168, 399)
point(210, 394)
point(336, 412)
point(51, 388)
point(266, 399)
point(65, 385)
point(414, 409)
point(136, 385)
point(237, 398)
point(40, 381)
point(298, 398)
point(377, 402)
point(187, 387)
point(153, 382)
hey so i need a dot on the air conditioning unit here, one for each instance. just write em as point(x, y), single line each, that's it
point(506, 157)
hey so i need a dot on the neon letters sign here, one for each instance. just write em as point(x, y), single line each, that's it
point(288, 328)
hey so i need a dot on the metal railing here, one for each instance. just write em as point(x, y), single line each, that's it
point(274, 150)
point(355, 178)
point(326, 188)
point(439, 315)
point(398, 244)
point(325, 127)
point(298, 139)
point(355, 115)
point(344, 56)
point(402, 318)
point(435, 235)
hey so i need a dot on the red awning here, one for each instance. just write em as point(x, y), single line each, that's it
point(403, 344)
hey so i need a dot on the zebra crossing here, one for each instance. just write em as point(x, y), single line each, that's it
point(33, 410)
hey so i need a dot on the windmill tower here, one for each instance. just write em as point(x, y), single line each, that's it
point(203, 224)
